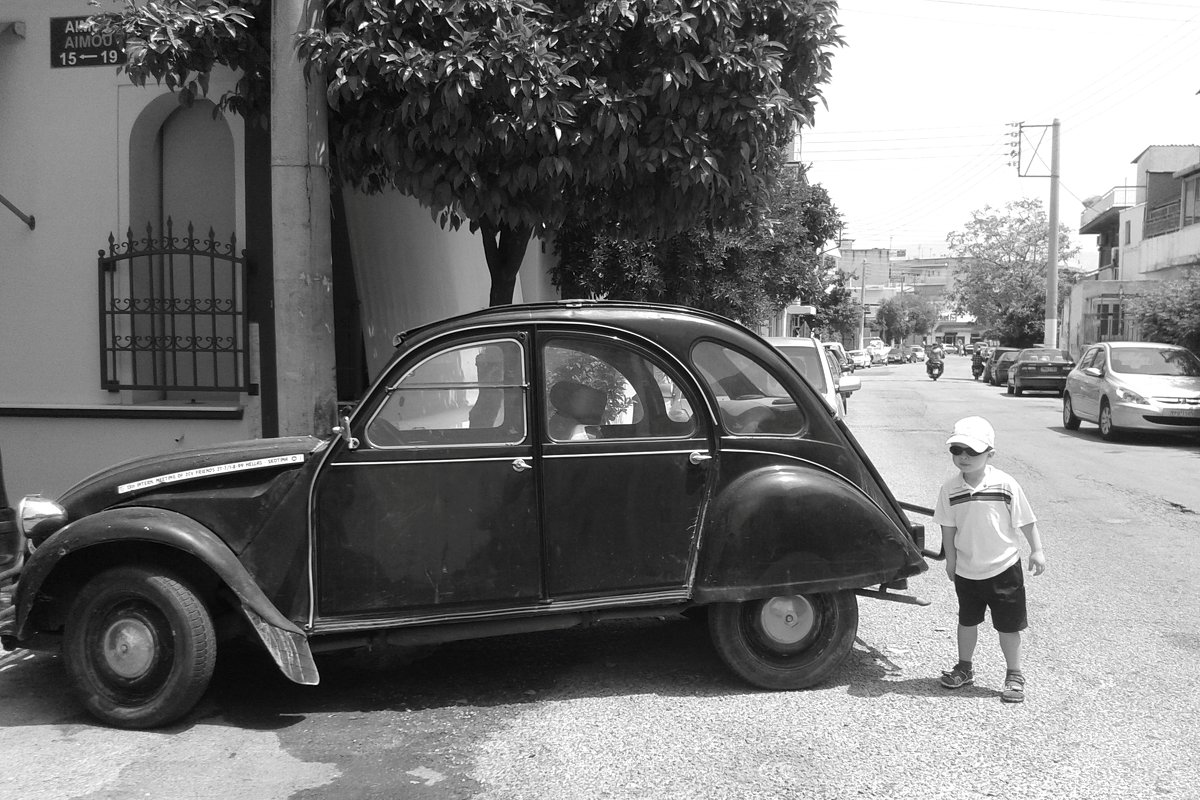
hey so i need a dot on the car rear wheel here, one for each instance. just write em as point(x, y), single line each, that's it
point(785, 642)
point(140, 647)
point(1070, 421)
point(1107, 430)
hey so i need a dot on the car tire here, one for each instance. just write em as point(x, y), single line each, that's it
point(785, 642)
point(139, 646)
point(1070, 421)
point(1108, 431)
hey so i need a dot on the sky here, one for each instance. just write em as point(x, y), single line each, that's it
point(916, 135)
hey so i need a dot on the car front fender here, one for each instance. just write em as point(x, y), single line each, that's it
point(285, 641)
point(798, 530)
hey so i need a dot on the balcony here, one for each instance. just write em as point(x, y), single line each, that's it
point(1116, 198)
point(1162, 219)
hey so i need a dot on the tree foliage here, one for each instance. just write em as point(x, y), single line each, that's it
point(1170, 312)
point(510, 114)
point(905, 315)
point(178, 43)
point(746, 273)
point(1002, 280)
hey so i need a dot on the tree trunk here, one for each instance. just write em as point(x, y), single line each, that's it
point(504, 248)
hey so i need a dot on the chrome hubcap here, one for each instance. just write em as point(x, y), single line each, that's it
point(128, 648)
point(787, 620)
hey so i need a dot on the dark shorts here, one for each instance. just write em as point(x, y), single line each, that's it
point(1004, 594)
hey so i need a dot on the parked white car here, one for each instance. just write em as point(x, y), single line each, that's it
point(1140, 386)
point(860, 358)
point(809, 358)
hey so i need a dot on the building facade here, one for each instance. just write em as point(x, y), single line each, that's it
point(1146, 234)
point(169, 279)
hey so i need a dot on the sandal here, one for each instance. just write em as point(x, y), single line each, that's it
point(1014, 688)
point(958, 677)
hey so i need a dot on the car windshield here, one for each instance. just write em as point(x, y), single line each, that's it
point(1155, 361)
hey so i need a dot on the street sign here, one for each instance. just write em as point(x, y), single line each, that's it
point(73, 45)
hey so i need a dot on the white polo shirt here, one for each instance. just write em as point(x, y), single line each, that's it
point(988, 517)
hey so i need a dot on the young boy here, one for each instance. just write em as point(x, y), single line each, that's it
point(983, 513)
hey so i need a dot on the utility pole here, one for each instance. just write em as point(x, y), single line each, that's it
point(1051, 334)
point(862, 303)
point(1024, 170)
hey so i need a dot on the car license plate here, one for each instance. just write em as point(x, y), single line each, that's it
point(1048, 369)
point(1181, 412)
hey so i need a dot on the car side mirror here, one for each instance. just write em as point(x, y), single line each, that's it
point(343, 432)
point(1093, 372)
point(849, 385)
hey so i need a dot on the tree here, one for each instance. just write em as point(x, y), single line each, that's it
point(1170, 312)
point(1002, 279)
point(905, 315)
point(746, 273)
point(179, 43)
point(506, 113)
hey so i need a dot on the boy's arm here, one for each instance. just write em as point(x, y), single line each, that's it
point(948, 534)
point(1037, 559)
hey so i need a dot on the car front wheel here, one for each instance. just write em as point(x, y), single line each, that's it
point(1108, 431)
point(785, 642)
point(1070, 421)
point(139, 646)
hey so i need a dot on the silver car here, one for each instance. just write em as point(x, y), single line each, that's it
point(808, 357)
point(1140, 386)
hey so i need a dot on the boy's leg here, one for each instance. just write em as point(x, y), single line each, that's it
point(968, 637)
point(1010, 645)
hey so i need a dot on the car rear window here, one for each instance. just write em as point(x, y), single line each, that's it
point(752, 399)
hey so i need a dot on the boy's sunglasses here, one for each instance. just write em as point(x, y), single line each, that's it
point(958, 450)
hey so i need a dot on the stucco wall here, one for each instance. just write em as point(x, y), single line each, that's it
point(410, 272)
point(68, 138)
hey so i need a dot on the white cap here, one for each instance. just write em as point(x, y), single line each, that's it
point(975, 432)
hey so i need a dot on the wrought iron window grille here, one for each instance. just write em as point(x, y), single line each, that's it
point(173, 314)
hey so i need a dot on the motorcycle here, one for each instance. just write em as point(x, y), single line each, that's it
point(933, 368)
point(976, 367)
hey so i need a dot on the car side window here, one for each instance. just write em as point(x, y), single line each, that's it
point(1091, 358)
point(467, 395)
point(752, 398)
point(597, 389)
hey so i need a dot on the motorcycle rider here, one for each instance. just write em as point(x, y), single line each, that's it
point(934, 365)
point(977, 361)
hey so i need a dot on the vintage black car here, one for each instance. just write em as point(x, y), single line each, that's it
point(517, 469)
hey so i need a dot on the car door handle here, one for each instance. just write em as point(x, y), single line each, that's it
point(698, 458)
point(520, 465)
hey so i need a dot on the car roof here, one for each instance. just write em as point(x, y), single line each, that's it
point(1159, 345)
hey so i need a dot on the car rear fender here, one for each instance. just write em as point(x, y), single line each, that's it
point(89, 538)
point(797, 530)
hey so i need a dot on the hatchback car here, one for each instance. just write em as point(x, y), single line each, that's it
point(518, 469)
point(1134, 386)
point(820, 368)
point(860, 358)
point(916, 353)
point(1039, 369)
point(989, 368)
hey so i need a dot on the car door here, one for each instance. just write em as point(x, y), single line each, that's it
point(435, 511)
point(1086, 389)
point(623, 468)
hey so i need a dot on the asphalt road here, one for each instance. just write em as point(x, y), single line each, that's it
point(645, 710)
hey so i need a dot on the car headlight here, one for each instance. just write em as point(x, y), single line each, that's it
point(39, 517)
point(1129, 396)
